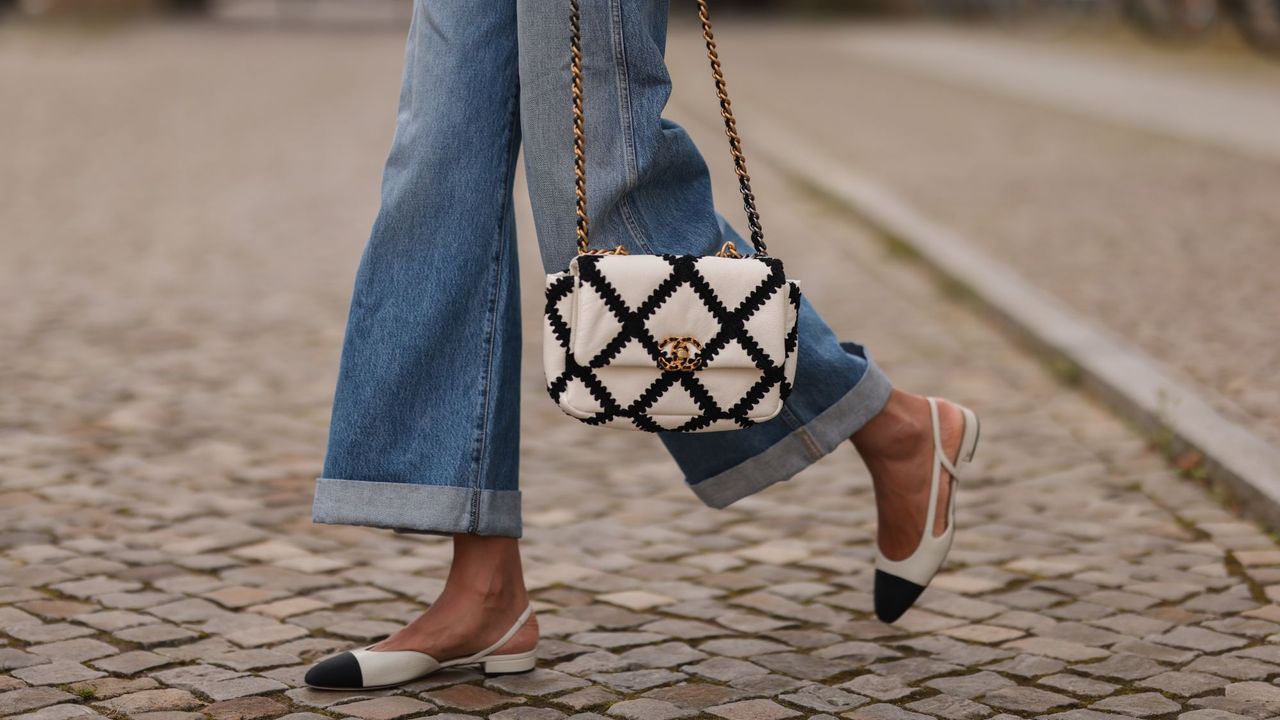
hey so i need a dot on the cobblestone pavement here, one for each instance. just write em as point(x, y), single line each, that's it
point(1168, 243)
point(182, 213)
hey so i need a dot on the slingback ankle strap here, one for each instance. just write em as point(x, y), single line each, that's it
point(506, 637)
point(940, 452)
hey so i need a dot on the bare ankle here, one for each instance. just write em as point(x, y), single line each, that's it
point(486, 573)
point(494, 594)
point(897, 432)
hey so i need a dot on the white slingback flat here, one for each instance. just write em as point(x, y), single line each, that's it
point(366, 669)
point(899, 583)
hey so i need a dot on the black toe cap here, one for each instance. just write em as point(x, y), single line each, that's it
point(894, 596)
point(339, 672)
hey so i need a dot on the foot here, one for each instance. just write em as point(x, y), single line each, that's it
point(464, 627)
point(897, 446)
point(912, 544)
point(483, 599)
point(483, 596)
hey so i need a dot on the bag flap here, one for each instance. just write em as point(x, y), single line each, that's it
point(629, 306)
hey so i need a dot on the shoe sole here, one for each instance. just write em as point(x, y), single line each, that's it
point(515, 664)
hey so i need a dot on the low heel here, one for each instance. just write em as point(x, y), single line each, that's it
point(972, 429)
point(507, 666)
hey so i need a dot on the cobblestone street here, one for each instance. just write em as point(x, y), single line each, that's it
point(181, 216)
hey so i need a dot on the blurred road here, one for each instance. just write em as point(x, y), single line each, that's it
point(1136, 184)
point(182, 209)
point(1230, 105)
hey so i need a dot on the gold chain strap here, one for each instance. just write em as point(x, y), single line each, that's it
point(731, 130)
point(579, 135)
point(726, 112)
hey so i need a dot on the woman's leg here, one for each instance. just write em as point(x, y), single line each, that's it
point(425, 419)
point(424, 435)
point(649, 189)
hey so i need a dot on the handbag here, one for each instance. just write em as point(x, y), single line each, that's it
point(669, 343)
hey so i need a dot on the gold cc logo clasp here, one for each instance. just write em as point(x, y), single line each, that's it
point(679, 354)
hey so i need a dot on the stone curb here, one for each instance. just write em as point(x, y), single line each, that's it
point(1133, 383)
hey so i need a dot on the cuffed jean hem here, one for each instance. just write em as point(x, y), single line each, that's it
point(407, 507)
point(806, 445)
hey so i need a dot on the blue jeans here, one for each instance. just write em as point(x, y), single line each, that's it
point(424, 436)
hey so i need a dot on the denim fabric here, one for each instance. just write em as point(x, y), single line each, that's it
point(424, 435)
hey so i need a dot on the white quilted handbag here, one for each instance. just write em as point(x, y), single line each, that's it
point(669, 343)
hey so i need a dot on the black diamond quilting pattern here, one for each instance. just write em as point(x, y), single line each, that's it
point(732, 326)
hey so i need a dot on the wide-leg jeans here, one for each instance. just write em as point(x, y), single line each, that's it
point(425, 428)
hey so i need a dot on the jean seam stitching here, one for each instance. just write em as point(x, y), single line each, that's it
point(630, 163)
point(491, 319)
point(624, 92)
point(810, 444)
